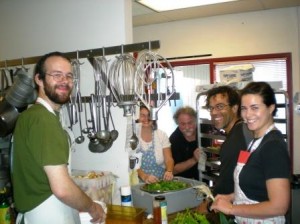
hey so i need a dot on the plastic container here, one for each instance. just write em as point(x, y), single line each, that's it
point(98, 185)
point(177, 200)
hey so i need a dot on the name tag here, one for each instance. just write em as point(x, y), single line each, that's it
point(243, 157)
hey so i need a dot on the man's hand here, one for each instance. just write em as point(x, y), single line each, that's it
point(97, 213)
point(196, 154)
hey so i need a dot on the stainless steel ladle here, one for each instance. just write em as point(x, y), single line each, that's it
point(113, 133)
point(87, 129)
point(95, 146)
point(133, 141)
point(80, 138)
point(103, 135)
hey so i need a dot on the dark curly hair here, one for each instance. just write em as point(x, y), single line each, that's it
point(229, 91)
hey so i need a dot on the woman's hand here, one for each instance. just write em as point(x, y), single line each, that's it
point(168, 175)
point(223, 204)
point(149, 179)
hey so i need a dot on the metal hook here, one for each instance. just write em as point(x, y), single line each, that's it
point(77, 55)
point(23, 63)
point(23, 66)
point(103, 51)
point(76, 61)
point(122, 49)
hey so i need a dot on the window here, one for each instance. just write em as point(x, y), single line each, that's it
point(191, 73)
point(264, 70)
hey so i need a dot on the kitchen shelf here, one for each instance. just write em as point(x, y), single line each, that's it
point(213, 163)
point(213, 150)
point(210, 176)
point(213, 136)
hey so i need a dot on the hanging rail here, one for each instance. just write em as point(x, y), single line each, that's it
point(88, 53)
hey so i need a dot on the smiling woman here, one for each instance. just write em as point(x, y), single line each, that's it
point(266, 162)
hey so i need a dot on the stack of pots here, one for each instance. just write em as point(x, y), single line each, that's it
point(17, 98)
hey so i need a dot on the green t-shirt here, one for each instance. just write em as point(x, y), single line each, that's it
point(39, 140)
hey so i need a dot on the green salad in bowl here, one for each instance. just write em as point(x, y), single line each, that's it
point(164, 186)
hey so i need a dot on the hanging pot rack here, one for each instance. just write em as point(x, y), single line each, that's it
point(136, 47)
point(90, 54)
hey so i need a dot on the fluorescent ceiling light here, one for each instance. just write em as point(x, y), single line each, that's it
point(166, 5)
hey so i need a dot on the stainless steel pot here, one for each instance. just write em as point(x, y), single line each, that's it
point(8, 118)
point(22, 92)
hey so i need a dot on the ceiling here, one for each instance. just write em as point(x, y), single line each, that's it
point(145, 16)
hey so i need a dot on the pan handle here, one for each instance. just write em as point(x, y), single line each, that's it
point(79, 102)
point(93, 112)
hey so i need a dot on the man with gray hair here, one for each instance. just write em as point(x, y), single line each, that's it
point(184, 144)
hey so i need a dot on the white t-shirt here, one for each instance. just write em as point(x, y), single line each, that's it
point(161, 141)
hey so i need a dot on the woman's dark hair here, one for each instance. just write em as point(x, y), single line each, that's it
point(40, 66)
point(154, 123)
point(231, 93)
point(262, 89)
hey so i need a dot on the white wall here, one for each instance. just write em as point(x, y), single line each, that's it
point(34, 27)
point(261, 32)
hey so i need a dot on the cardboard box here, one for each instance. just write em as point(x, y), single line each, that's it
point(177, 200)
point(241, 73)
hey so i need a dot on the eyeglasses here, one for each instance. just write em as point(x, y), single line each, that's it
point(58, 76)
point(218, 107)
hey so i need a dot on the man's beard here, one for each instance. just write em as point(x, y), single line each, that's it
point(53, 96)
point(188, 132)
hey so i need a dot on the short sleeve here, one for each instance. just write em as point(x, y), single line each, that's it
point(164, 139)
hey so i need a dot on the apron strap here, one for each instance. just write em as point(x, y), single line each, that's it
point(20, 218)
point(23, 219)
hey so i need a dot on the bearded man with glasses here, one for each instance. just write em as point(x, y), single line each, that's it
point(43, 189)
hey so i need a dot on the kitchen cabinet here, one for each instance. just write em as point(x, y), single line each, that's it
point(210, 139)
